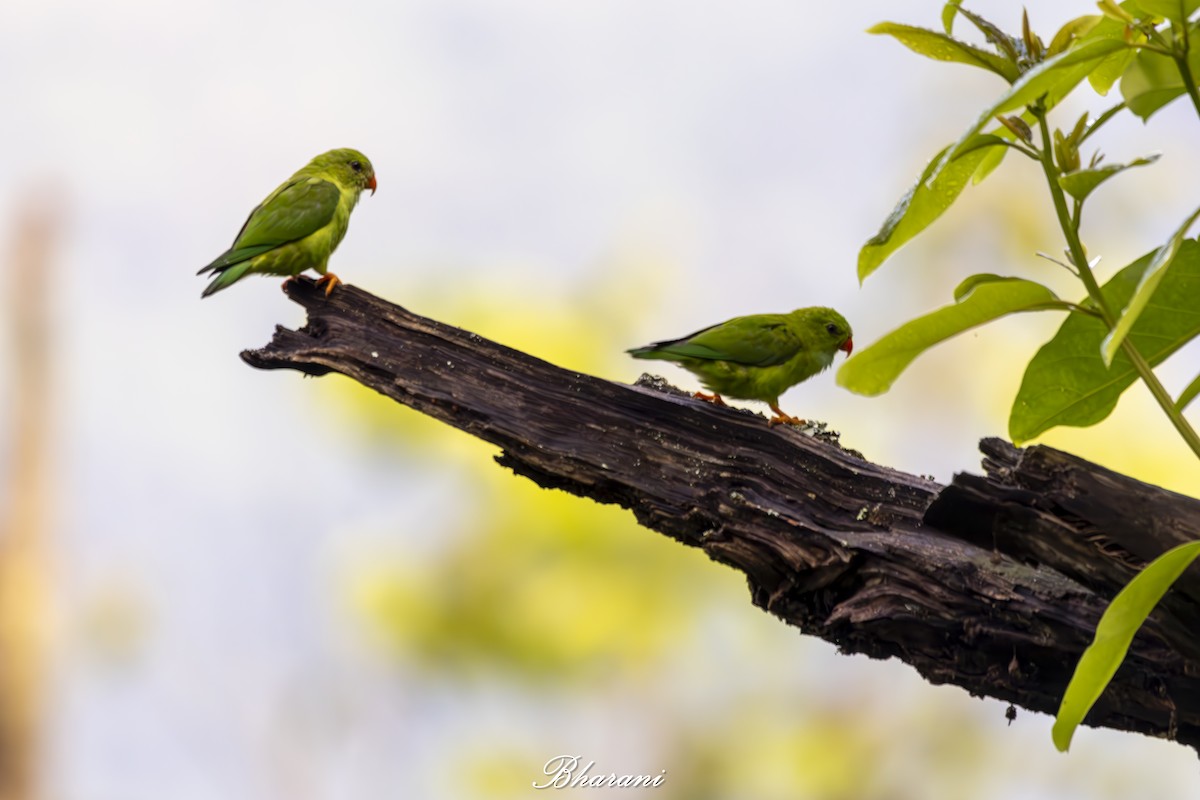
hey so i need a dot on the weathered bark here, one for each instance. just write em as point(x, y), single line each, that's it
point(993, 583)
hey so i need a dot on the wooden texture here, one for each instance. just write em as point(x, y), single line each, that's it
point(994, 583)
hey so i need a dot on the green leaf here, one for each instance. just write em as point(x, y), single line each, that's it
point(1114, 633)
point(1118, 13)
point(942, 47)
point(919, 207)
point(1152, 80)
point(986, 140)
point(970, 284)
point(1067, 34)
point(1050, 81)
point(989, 163)
point(1006, 44)
point(1079, 184)
point(978, 299)
point(1067, 382)
point(949, 11)
point(946, 175)
point(1110, 70)
point(1151, 278)
point(1188, 394)
point(1174, 10)
point(1100, 121)
point(996, 155)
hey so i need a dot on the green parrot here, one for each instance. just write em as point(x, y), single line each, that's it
point(758, 357)
point(300, 224)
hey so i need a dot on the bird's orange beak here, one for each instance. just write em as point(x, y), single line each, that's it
point(371, 184)
point(848, 346)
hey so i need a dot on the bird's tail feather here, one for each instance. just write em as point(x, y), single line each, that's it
point(652, 352)
point(226, 277)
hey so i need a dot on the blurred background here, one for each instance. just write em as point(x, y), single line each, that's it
point(223, 583)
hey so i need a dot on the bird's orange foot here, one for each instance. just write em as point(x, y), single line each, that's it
point(713, 398)
point(328, 280)
point(781, 418)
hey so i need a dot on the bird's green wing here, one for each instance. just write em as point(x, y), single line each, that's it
point(295, 210)
point(760, 340)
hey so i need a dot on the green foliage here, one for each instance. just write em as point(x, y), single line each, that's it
point(1152, 80)
point(942, 47)
point(946, 175)
point(1085, 48)
point(1110, 70)
point(995, 155)
point(1164, 257)
point(923, 203)
point(1121, 620)
point(1188, 394)
point(1071, 32)
point(1119, 332)
point(1169, 9)
point(1068, 383)
point(949, 12)
point(978, 300)
point(1046, 84)
point(538, 586)
point(1080, 183)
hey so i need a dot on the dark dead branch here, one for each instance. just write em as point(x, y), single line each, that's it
point(993, 583)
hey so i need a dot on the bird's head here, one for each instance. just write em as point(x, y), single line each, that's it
point(830, 326)
point(348, 167)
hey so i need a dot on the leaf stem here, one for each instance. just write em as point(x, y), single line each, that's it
point(1079, 259)
point(1029, 151)
point(1189, 81)
point(1082, 309)
point(1151, 48)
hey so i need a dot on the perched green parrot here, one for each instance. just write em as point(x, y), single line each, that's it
point(758, 357)
point(300, 224)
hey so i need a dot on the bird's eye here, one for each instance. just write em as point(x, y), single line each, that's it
point(833, 329)
point(356, 166)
